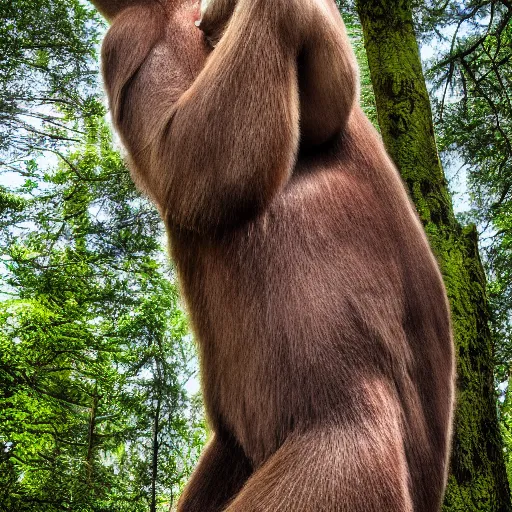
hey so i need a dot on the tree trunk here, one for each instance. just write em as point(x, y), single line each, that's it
point(91, 436)
point(477, 480)
point(154, 463)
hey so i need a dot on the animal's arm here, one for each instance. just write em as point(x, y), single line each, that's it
point(213, 150)
point(328, 77)
point(328, 72)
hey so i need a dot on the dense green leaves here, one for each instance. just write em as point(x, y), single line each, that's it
point(475, 123)
point(94, 347)
point(47, 61)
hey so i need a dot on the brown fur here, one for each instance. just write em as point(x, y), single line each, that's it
point(319, 310)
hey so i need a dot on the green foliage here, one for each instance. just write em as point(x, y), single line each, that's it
point(47, 60)
point(93, 343)
point(472, 80)
point(94, 347)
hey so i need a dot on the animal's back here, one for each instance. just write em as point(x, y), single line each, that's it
point(328, 309)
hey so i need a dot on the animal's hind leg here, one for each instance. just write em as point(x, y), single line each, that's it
point(331, 470)
point(221, 472)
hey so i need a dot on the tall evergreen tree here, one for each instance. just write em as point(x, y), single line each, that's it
point(477, 480)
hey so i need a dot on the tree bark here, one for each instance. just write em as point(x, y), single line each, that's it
point(477, 480)
point(154, 462)
point(91, 436)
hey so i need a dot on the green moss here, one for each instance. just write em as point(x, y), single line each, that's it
point(478, 479)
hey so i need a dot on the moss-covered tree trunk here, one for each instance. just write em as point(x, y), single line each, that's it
point(477, 480)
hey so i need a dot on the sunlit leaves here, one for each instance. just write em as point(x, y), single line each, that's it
point(94, 347)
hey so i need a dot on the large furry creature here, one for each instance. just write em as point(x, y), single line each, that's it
point(319, 310)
